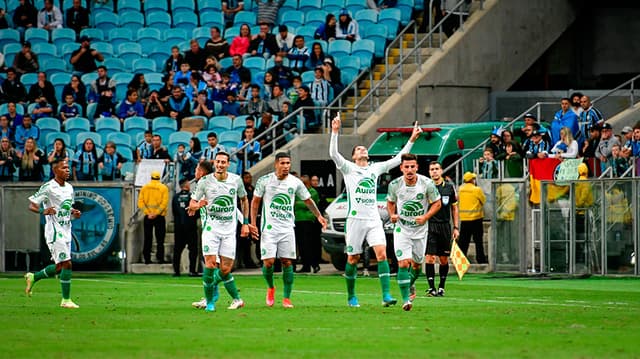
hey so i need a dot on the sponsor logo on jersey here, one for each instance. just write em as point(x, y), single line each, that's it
point(281, 206)
point(365, 192)
point(222, 208)
point(409, 211)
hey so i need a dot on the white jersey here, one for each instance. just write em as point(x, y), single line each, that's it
point(361, 182)
point(52, 195)
point(411, 202)
point(278, 198)
point(220, 212)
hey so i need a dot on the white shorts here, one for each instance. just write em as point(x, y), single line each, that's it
point(214, 244)
point(409, 248)
point(280, 245)
point(358, 230)
point(60, 250)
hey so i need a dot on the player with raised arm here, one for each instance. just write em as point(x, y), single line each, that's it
point(54, 200)
point(279, 191)
point(215, 198)
point(411, 201)
point(363, 219)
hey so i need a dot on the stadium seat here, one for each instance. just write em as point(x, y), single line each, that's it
point(314, 18)
point(172, 36)
point(136, 123)
point(245, 17)
point(184, 46)
point(59, 80)
point(308, 77)
point(390, 18)
point(289, 5)
point(128, 52)
point(348, 62)
point(355, 5)
point(106, 21)
point(225, 62)
point(254, 63)
point(257, 77)
point(53, 66)
point(201, 34)
point(164, 126)
point(91, 110)
point(239, 122)
point(229, 139)
point(216, 130)
point(66, 50)
point(159, 54)
point(47, 125)
point(119, 36)
point(220, 121)
point(106, 126)
point(132, 20)
point(151, 6)
point(114, 65)
point(154, 77)
point(202, 136)
point(9, 36)
point(307, 31)
point(83, 136)
point(348, 75)
point(128, 168)
point(93, 34)
point(212, 5)
point(160, 20)
point(125, 152)
point(366, 16)
point(292, 18)
point(45, 51)
point(121, 139)
point(128, 5)
point(309, 5)
point(36, 35)
point(185, 20)
point(88, 78)
point(209, 18)
point(378, 34)
point(178, 138)
point(183, 5)
point(29, 79)
point(406, 10)
point(340, 48)
point(144, 66)
point(147, 34)
point(51, 137)
point(104, 48)
point(364, 49)
point(62, 36)
point(333, 6)
point(75, 125)
point(271, 63)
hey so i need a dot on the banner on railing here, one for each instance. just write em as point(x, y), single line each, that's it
point(551, 169)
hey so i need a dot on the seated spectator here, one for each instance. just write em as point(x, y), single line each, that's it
point(202, 106)
point(607, 141)
point(31, 161)
point(282, 74)
point(217, 45)
point(347, 28)
point(566, 147)
point(255, 105)
point(5, 129)
point(195, 56)
point(488, 165)
point(269, 134)
point(277, 100)
point(263, 44)
point(172, 64)
point(309, 114)
point(284, 39)
point(130, 106)
point(230, 107)
point(317, 56)
point(49, 17)
point(42, 109)
point(292, 92)
point(240, 44)
point(25, 17)
point(218, 92)
point(565, 117)
point(154, 107)
point(68, 109)
point(328, 30)
point(12, 90)
point(110, 162)
point(618, 163)
point(229, 9)
point(298, 55)
point(267, 85)
point(178, 106)
point(158, 151)
point(320, 88)
point(59, 152)
point(8, 158)
point(536, 147)
point(381, 4)
point(85, 162)
point(15, 119)
point(167, 89)
point(84, 59)
point(211, 76)
point(196, 84)
point(77, 17)
point(43, 88)
point(249, 122)
point(144, 150)
point(210, 152)
point(182, 78)
point(26, 61)
point(635, 144)
point(77, 89)
point(140, 85)
point(252, 151)
point(333, 75)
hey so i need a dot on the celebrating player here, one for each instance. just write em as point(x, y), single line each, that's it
point(363, 219)
point(54, 200)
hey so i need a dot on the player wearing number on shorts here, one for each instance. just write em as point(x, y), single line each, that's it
point(54, 200)
point(411, 201)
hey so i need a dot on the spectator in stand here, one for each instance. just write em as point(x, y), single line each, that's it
point(25, 131)
point(266, 141)
point(240, 44)
point(282, 74)
point(256, 105)
point(218, 92)
point(635, 148)
point(381, 4)
point(495, 141)
point(196, 84)
point(529, 119)
point(328, 30)
point(31, 161)
point(85, 162)
point(566, 147)
point(217, 45)
point(103, 91)
point(69, 109)
point(183, 158)
point(49, 17)
point(277, 99)
point(229, 9)
point(12, 89)
point(77, 17)
point(267, 86)
point(158, 151)
point(167, 89)
point(59, 152)
point(210, 152)
point(564, 118)
point(110, 162)
point(589, 117)
point(268, 11)
point(627, 141)
point(230, 107)
point(84, 59)
point(488, 164)
point(471, 200)
point(619, 164)
point(347, 28)
point(154, 107)
point(140, 85)
point(263, 44)
point(179, 106)
point(5, 129)
point(25, 17)
point(238, 73)
point(298, 55)
point(252, 150)
point(592, 143)
point(15, 119)
point(536, 147)
point(316, 56)
point(144, 150)
point(506, 136)
point(203, 106)
point(211, 76)
point(8, 157)
point(607, 141)
point(4, 24)
point(42, 109)
point(43, 88)
point(172, 64)
point(320, 88)
point(26, 60)
point(284, 40)
point(195, 153)
point(182, 78)
point(575, 103)
point(78, 90)
point(304, 100)
point(333, 75)
point(195, 56)
point(513, 166)
point(130, 106)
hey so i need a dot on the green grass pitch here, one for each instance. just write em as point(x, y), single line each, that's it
point(149, 316)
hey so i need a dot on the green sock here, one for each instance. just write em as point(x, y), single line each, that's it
point(48, 272)
point(230, 285)
point(287, 279)
point(404, 281)
point(216, 276)
point(65, 282)
point(267, 273)
point(383, 274)
point(350, 274)
point(207, 282)
point(415, 273)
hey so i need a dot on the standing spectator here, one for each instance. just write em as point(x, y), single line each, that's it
point(195, 56)
point(12, 89)
point(153, 200)
point(77, 17)
point(31, 161)
point(209, 153)
point(110, 162)
point(173, 63)
point(8, 157)
point(240, 44)
point(277, 99)
point(347, 28)
point(183, 158)
point(307, 231)
point(512, 157)
point(472, 200)
point(488, 165)
point(627, 141)
point(298, 55)
point(282, 74)
point(607, 141)
point(495, 142)
point(309, 114)
point(229, 9)
point(154, 107)
point(252, 151)
point(566, 147)
point(43, 88)
point(130, 106)
point(217, 45)
point(25, 16)
point(328, 30)
point(188, 160)
point(42, 109)
point(575, 103)
point(186, 229)
point(85, 162)
point(564, 118)
point(333, 75)
point(256, 105)
point(618, 163)
point(77, 89)
point(178, 106)
point(25, 131)
point(284, 39)
point(238, 74)
point(381, 4)
point(263, 44)
point(320, 88)
point(589, 117)
point(203, 106)
point(84, 59)
point(144, 150)
point(26, 60)
point(158, 151)
point(49, 17)
point(268, 11)
point(57, 154)
point(141, 86)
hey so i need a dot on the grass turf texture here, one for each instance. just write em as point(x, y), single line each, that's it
point(149, 316)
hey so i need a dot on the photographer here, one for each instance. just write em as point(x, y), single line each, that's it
point(253, 151)
point(84, 58)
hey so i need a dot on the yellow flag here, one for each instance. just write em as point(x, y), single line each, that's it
point(459, 260)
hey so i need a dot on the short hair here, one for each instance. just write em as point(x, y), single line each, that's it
point(212, 134)
point(280, 155)
point(102, 67)
point(148, 132)
point(215, 28)
point(130, 91)
point(255, 87)
point(408, 157)
point(157, 135)
point(353, 150)
point(488, 149)
point(298, 37)
point(223, 153)
point(182, 182)
point(110, 144)
point(11, 69)
point(296, 78)
point(565, 98)
point(193, 41)
point(435, 163)
point(206, 166)
point(175, 47)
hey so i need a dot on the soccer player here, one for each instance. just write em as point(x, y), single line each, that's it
point(279, 191)
point(363, 219)
point(216, 198)
point(54, 200)
point(440, 234)
point(411, 202)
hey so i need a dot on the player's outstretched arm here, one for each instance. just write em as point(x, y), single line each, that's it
point(395, 161)
point(333, 143)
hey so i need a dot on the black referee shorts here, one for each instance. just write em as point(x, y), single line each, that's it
point(439, 239)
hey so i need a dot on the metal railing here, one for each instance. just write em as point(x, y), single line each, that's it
point(630, 82)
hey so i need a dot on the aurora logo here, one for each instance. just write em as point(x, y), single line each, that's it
point(281, 201)
point(66, 204)
point(367, 186)
point(412, 209)
point(222, 203)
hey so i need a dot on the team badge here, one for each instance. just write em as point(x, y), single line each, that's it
point(420, 196)
point(290, 190)
point(445, 200)
point(232, 191)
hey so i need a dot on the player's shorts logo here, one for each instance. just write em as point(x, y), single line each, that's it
point(399, 253)
point(349, 248)
point(62, 256)
point(206, 249)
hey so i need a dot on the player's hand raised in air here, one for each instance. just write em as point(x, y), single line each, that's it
point(336, 123)
point(416, 132)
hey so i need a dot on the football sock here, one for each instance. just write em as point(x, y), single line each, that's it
point(48, 272)
point(430, 271)
point(414, 273)
point(444, 270)
point(216, 276)
point(287, 279)
point(385, 277)
point(404, 281)
point(350, 274)
point(65, 282)
point(230, 286)
point(207, 282)
point(267, 273)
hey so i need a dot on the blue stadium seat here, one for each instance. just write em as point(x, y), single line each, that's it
point(45, 51)
point(307, 77)
point(314, 18)
point(340, 48)
point(51, 137)
point(3, 109)
point(160, 20)
point(254, 63)
point(377, 33)
point(62, 36)
point(106, 126)
point(366, 16)
point(239, 122)
point(122, 79)
point(184, 46)
point(128, 5)
point(28, 79)
point(76, 125)
point(348, 75)
point(115, 65)
point(185, 20)
point(10, 50)
point(215, 130)
point(310, 5)
point(132, 20)
point(126, 153)
point(348, 62)
point(271, 63)
point(83, 136)
point(128, 52)
point(36, 35)
point(93, 34)
point(159, 54)
point(178, 138)
point(182, 5)
point(202, 136)
point(209, 18)
point(231, 32)
point(172, 36)
point(406, 10)
point(257, 77)
point(136, 123)
point(119, 36)
point(292, 18)
point(206, 5)
point(9, 36)
point(154, 77)
point(53, 66)
point(333, 6)
point(390, 18)
point(220, 121)
point(229, 139)
point(243, 17)
point(289, 5)
point(128, 168)
point(47, 125)
point(201, 34)
point(144, 66)
point(155, 6)
point(365, 50)
point(149, 34)
point(225, 62)
point(66, 50)
point(355, 5)
point(307, 31)
point(59, 80)
point(106, 21)
point(104, 48)
point(164, 126)
point(91, 109)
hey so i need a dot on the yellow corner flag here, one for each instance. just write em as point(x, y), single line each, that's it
point(459, 260)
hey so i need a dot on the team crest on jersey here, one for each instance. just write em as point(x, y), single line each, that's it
point(420, 196)
point(445, 200)
point(290, 190)
point(232, 191)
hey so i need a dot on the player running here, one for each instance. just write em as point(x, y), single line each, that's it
point(408, 198)
point(54, 200)
point(363, 219)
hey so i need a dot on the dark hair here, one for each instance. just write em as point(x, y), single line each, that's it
point(102, 67)
point(157, 135)
point(222, 153)
point(565, 98)
point(408, 157)
point(212, 134)
point(255, 86)
point(579, 94)
point(353, 150)
point(433, 163)
point(197, 147)
point(148, 132)
point(297, 37)
point(135, 82)
point(206, 166)
point(131, 91)
point(182, 182)
point(280, 155)
point(215, 28)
